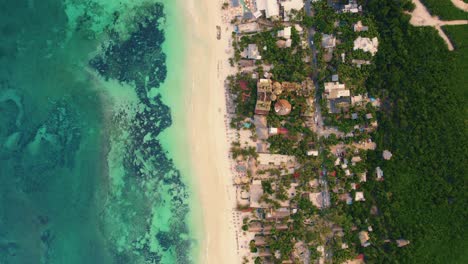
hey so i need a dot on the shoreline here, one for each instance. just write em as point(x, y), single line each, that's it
point(207, 68)
point(176, 138)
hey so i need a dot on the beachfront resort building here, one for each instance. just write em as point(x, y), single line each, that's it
point(367, 45)
point(246, 28)
point(251, 52)
point(264, 92)
point(269, 7)
point(256, 192)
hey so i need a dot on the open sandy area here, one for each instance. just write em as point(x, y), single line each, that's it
point(460, 4)
point(421, 17)
point(207, 60)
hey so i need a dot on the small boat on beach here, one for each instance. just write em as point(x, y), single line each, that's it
point(218, 32)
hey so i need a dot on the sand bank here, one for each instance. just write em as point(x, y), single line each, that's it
point(207, 68)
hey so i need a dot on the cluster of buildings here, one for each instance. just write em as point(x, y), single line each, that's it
point(346, 105)
point(274, 9)
point(267, 204)
point(269, 91)
point(345, 102)
point(347, 179)
point(337, 96)
point(261, 203)
point(270, 9)
point(264, 200)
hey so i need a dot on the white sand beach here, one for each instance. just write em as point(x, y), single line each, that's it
point(207, 61)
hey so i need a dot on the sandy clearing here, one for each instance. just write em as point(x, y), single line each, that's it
point(460, 5)
point(421, 17)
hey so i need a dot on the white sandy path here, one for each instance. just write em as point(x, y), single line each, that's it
point(207, 69)
point(421, 17)
point(460, 4)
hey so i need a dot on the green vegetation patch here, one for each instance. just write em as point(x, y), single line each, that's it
point(459, 37)
point(422, 198)
point(288, 62)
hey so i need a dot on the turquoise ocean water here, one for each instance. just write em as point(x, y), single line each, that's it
point(88, 92)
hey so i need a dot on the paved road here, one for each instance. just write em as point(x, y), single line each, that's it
point(318, 119)
point(319, 127)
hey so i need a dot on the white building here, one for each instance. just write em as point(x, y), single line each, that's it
point(337, 162)
point(379, 173)
point(270, 7)
point(359, 197)
point(387, 155)
point(257, 14)
point(367, 44)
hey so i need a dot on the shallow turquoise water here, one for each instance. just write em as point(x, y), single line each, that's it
point(84, 176)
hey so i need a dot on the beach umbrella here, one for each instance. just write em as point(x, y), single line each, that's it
point(237, 180)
